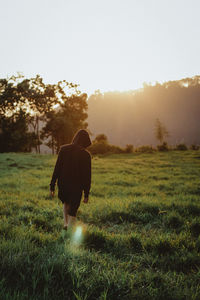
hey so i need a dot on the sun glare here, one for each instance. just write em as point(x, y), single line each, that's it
point(77, 236)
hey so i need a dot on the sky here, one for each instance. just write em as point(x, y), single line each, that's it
point(100, 44)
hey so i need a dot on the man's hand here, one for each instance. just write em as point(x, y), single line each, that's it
point(52, 193)
point(85, 200)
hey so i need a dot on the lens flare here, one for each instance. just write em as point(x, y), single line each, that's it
point(77, 237)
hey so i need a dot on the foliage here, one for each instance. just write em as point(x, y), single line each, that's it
point(31, 96)
point(129, 116)
point(160, 131)
point(145, 148)
point(34, 101)
point(100, 145)
point(194, 147)
point(116, 149)
point(100, 148)
point(129, 148)
point(181, 147)
point(101, 138)
point(62, 124)
point(163, 147)
point(14, 133)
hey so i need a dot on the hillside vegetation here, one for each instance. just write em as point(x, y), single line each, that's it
point(138, 238)
point(129, 117)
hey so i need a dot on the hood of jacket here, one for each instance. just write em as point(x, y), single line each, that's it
point(82, 139)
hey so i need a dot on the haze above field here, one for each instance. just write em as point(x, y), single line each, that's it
point(106, 45)
point(130, 118)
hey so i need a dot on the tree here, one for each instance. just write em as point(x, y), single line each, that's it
point(30, 96)
point(101, 138)
point(14, 134)
point(160, 131)
point(39, 98)
point(24, 100)
point(61, 124)
point(33, 101)
point(14, 118)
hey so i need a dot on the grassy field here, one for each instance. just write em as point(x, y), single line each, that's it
point(138, 238)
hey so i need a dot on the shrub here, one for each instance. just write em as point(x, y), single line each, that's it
point(128, 148)
point(101, 138)
point(146, 148)
point(116, 149)
point(194, 147)
point(181, 147)
point(103, 147)
point(99, 148)
point(163, 147)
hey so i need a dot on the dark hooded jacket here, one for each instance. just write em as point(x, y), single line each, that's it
point(73, 167)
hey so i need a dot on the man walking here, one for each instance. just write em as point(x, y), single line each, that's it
point(73, 175)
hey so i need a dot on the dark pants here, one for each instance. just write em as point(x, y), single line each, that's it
point(72, 198)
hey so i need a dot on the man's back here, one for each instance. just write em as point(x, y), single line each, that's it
point(73, 169)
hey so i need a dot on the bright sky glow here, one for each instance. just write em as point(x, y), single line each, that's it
point(100, 44)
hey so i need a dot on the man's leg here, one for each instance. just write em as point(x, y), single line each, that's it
point(65, 214)
point(68, 220)
point(71, 221)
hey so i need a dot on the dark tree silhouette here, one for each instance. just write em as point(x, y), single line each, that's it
point(14, 134)
point(37, 100)
point(30, 96)
point(62, 123)
point(101, 138)
point(160, 131)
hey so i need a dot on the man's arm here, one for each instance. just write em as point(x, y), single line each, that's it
point(56, 172)
point(86, 175)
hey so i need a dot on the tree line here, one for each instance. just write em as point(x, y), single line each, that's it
point(34, 113)
point(129, 117)
point(101, 145)
point(25, 103)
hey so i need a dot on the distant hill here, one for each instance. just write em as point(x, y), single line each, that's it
point(129, 117)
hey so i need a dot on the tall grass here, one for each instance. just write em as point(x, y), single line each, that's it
point(138, 238)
